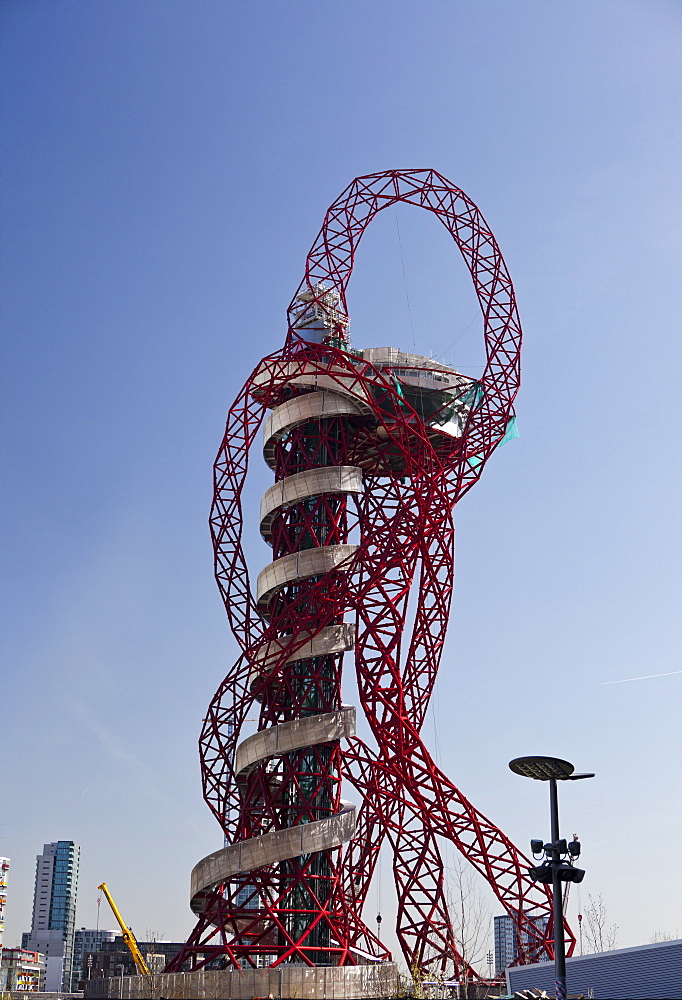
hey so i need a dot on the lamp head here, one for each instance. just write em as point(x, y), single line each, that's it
point(546, 768)
point(542, 768)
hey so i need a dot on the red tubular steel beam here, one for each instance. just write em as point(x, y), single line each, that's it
point(371, 450)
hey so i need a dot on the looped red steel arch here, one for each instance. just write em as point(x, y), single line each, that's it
point(309, 909)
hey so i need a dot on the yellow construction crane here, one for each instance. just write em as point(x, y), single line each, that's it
point(128, 935)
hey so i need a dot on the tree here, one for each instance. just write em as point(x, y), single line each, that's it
point(658, 937)
point(469, 917)
point(469, 912)
point(599, 936)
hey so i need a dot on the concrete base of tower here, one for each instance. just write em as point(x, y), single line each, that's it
point(286, 982)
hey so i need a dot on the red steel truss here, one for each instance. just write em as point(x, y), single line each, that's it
point(371, 450)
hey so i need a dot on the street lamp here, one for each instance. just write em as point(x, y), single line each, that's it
point(120, 982)
point(558, 864)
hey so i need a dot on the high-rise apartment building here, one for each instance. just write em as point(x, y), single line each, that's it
point(505, 942)
point(54, 912)
point(4, 873)
point(506, 949)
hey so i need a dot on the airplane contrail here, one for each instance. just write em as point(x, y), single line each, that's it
point(626, 680)
point(88, 787)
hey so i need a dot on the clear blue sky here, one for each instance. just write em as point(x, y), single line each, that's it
point(166, 166)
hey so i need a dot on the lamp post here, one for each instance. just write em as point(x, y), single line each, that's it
point(557, 866)
point(120, 982)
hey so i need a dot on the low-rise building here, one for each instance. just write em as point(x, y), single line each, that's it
point(86, 940)
point(21, 971)
point(114, 959)
point(648, 972)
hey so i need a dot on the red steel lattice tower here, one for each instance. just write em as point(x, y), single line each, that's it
point(370, 449)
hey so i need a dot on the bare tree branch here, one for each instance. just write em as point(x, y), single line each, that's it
point(469, 912)
point(600, 937)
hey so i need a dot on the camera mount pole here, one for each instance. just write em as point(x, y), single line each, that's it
point(557, 896)
point(554, 769)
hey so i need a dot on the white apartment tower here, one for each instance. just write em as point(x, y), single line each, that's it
point(54, 912)
point(4, 873)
